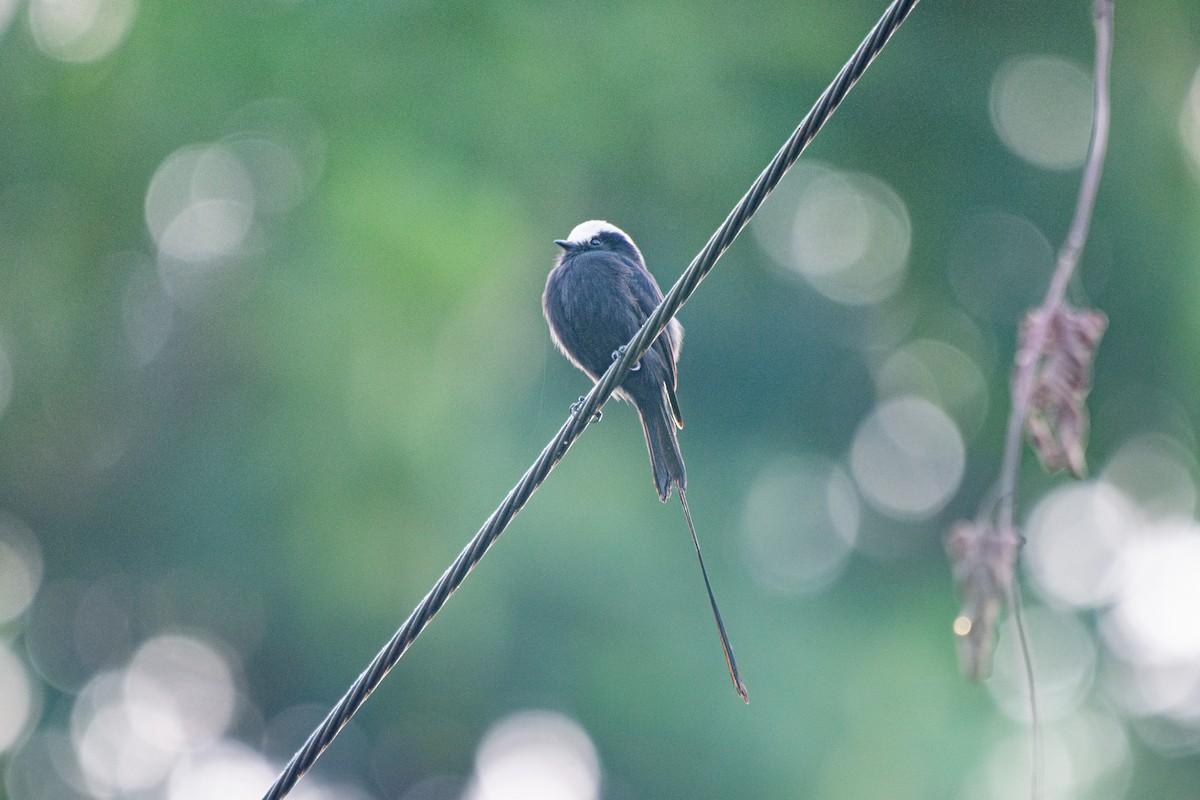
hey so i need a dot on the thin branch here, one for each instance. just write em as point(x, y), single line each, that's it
point(1068, 259)
point(575, 425)
point(1036, 765)
point(1041, 328)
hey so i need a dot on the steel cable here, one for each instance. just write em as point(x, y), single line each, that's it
point(717, 244)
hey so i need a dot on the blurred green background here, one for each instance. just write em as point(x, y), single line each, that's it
point(271, 350)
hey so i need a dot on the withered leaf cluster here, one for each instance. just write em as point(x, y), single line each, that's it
point(1057, 418)
point(983, 560)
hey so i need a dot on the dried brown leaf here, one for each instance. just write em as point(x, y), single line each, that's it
point(983, 560)
point(1057, 418)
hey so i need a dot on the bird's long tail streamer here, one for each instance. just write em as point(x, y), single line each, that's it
point(730, 661)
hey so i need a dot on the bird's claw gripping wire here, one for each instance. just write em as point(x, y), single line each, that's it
point(620, 351)
point(579, 404)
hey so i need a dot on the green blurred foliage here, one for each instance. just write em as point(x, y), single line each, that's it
point(335, 409)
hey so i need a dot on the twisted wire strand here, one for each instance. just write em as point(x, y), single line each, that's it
point(717, 244)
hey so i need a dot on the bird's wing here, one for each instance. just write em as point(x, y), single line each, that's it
point(647, 296)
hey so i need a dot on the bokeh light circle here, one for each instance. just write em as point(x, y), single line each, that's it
point(536, 755)
point(282, 148)
point(16, 698)
point(851, 238)
point(179, 692)
point(847, 234)
point(227, 769)
point(1065, 654)
point(113, 757)
point(799, 524)
point(131, 727)
point(942, 374)
point(1154, 619)
point(74, 629)
point(908, 458)
point(1076, 537)
point(1156, 472)
point(199, 209)
point(1086, 755)
point(20, 567)
point(8, 9)
point(199, 204)
point(1189, 123)
point(80, 31)
point(1169, 691)
point(1041, 108)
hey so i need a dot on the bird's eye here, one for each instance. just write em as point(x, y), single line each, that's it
point(595, 242)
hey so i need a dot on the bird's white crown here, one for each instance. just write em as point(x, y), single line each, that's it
point(586, 230)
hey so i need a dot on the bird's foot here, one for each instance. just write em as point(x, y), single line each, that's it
point(620, 351)
point(578, 404)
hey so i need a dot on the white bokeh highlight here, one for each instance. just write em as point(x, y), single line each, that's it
point(8, 9)
point(17, 698)
point(20, 567)
point(908, 458)
point(130, 727)
point(1157, 473)
point(847, 234)
point(1126, 546)
point(1084, 756)
point(535, 755)
point(942, 374)
point(211, 207)
point(179, 691)
point(80, 31)
point(228, 769)
point(1189, 123)
point(200, 205)
point(1041, 108)
point(1065, 659)
point(1155, 618)
point(1075, 539)
point(799, 524)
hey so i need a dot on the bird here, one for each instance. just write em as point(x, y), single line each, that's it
point(598, 295)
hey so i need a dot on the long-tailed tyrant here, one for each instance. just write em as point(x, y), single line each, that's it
point(597, 297)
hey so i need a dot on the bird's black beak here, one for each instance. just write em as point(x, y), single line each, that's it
point(563, 243)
